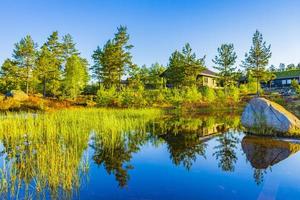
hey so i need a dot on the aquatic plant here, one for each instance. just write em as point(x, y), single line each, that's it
point(45, 151)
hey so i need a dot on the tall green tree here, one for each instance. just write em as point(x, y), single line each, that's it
point(76, 76)
point(184, 67)
point(154, 78)
point(47, 71)
point(114, 60)
point(68, 47)
point(258, 57)
point(24, 55)
point(225, 61)
point(55, 68)
point(10, 76)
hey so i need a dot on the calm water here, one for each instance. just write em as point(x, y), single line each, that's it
point(174, 157)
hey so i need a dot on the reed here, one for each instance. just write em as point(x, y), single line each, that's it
point(45, 151)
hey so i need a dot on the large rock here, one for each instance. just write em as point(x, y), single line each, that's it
point(264, 116)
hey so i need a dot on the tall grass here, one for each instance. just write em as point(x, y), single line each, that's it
point(45, 151)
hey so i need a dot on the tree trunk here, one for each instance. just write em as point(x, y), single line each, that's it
point(44, 87)
point(257, 81)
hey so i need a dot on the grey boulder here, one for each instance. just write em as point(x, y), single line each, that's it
point(262, 116)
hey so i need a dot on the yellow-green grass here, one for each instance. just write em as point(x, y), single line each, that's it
point(47, 149)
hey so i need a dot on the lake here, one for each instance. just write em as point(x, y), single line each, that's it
point(142, 154)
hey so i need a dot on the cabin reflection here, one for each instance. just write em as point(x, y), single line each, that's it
point(186, 137)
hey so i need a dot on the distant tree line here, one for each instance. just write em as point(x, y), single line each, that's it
point(57, 69)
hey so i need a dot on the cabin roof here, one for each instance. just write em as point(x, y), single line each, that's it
point(205, 72)
point(208, 72)
point(288, 74)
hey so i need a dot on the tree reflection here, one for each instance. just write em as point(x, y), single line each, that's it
point(226, 151)
point(115, 154)
point(184, 148)
point(186, 136)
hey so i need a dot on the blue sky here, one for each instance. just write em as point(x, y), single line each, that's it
point(157, 27)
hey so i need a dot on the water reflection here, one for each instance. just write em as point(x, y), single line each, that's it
point(115, 156)
point(225, 151)
point(50, 162)
point(264, 153)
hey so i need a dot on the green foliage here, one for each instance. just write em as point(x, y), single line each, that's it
point(192, 95)
point(258, 57)
point(10, 78)
point(47, 72)
point(208, 94)
point(184, 67)
point(107, 97)
point(225, 61)
point(133, 98)
point(76, 76)
point(295, 85)
point(234, 94)
point(113, 60)
point(24, 56)
point(68, 47)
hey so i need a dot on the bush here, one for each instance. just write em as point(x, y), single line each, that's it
point(18, 95)
point(234, 94)
point(208, 94)
point(220, 94)
point(192, 95)
point(244, 89)
point(296, 86)
point(155, 97)
point(174, 97)
point(133, 98)
point(107, 97)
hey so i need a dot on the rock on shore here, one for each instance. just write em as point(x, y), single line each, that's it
point(262, 116)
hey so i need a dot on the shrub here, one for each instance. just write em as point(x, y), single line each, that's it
point(208, 94)
point(234, 94)
point(107, 97)
point(296, 86)
point(18, 95)
point(220, 94)
point(192, 95)
point(155, 97)
point(244, 89)
point(174, 97)
point(133, 97)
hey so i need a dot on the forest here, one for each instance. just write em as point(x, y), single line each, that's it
point(55, 73)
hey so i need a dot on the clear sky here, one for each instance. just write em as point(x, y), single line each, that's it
point(157, 27)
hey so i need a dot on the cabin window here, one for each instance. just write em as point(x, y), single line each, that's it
point(205, 80)
point(289, 81)
point(283, 82)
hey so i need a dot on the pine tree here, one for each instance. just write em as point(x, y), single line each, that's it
point(10, 76)
point(55, 54)
point(175, 70)
point(25, 55)
point(258, 57)
point(47, 71)
point(225, 61)
point(154, 76)
point(184, 67)
point(114, 60)
point(68, 47)
point(76, 76)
